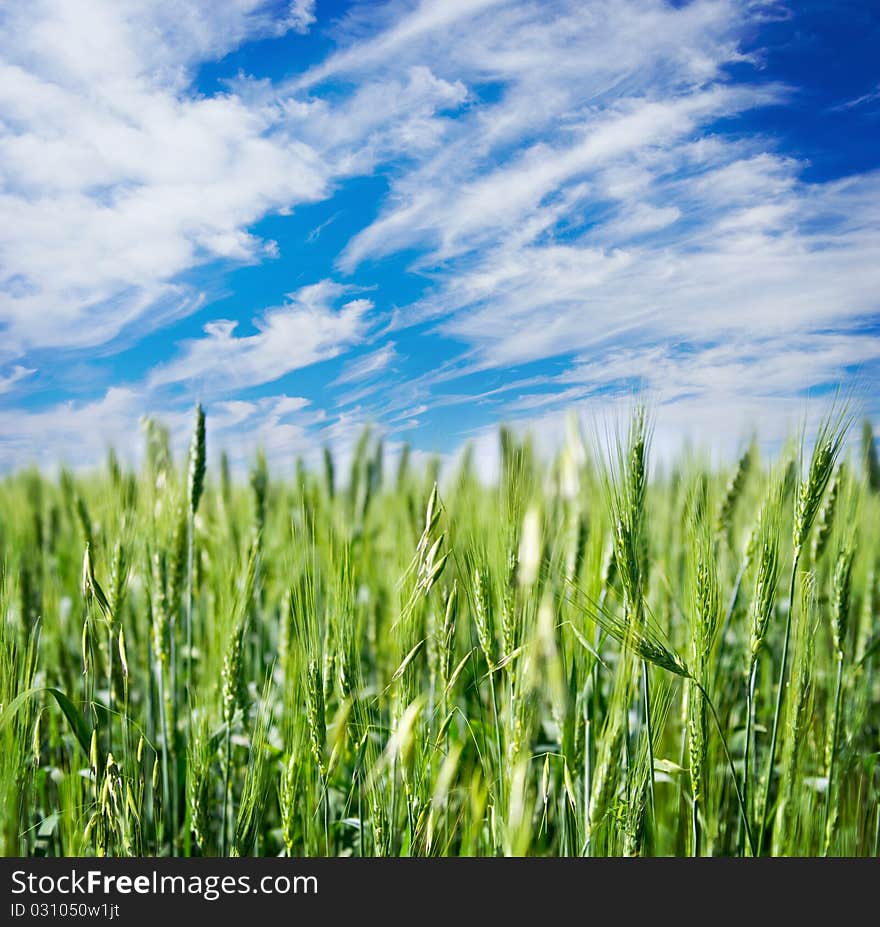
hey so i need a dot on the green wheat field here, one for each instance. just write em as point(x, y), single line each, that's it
point(594, 656)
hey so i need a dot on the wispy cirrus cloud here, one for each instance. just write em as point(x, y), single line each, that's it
point(576, 188)
point(742, 263)
point(16, 373)
point(628, 225)
point(304, 331)
point(863, 99)
point(402, 28)
point(367, 366)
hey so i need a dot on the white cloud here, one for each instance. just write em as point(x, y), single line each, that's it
point(872, 96)
point(72, 433)
point(280, 425)
point(17, 372)
point(304, 331)
point(578, 84)
point(367, 366)
point(78, 434)
point(391, 115)
point(455, 221)
point(422, 22)
point(593, 208)
point(159, 41)
point(726, 374)
point(716, 278)
point(300, 15)
point(115, 179)
point(120, 178)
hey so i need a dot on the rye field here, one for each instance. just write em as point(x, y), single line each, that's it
point(593, 656)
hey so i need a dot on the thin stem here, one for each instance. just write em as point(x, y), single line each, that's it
point(109, 688)
point(832, 764)
point(876, 849)
point(189, 603)
point(393, 818)
point(777, 712)
point(750, 722)
point(163, 722)
point(497, 738)
point(361, 827)
point(171, 744)
point(227, 767)
point(189, 651)
point(695, 828)
point(588, 776)
point(734, 596)
point(647, 692)
point(326, 802)
point(739, 795)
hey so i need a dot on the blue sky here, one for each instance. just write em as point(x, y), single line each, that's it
point(432, 216)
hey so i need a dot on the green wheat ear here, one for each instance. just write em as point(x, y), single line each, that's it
point(644, 639)
point(765, 565)
point(823, 459)
point(733, 492)
point(871, 459)
point(825, 522)
point(196, 470)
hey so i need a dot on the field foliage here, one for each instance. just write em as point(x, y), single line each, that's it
point(593, 656)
